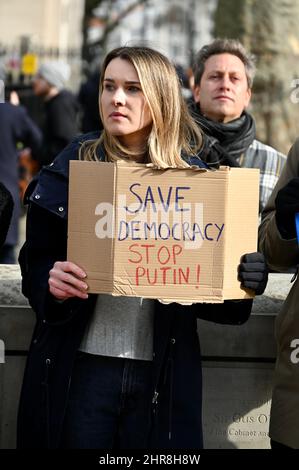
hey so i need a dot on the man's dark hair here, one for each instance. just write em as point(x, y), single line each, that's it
point(223, 46)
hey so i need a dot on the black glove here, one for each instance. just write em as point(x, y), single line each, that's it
point(253, 272)
point(287, 205)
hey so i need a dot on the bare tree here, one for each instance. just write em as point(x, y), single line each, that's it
point(269, 29)
point(109, 22)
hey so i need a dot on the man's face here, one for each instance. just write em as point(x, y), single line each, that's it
point(40, 86)
point(223, 91)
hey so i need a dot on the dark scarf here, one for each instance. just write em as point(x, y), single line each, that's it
point(224, 143)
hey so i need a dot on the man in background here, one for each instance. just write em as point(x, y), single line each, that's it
point(88, 97)
point(6, 208)
point(60, 109)
point(16, 127)
point(223, 77)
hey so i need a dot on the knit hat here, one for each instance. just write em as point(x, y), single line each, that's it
point(55, 73)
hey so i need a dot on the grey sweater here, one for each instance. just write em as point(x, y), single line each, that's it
point(120, 327)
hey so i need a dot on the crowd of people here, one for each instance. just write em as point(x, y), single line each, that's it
point(27, 144)
point(81, 389)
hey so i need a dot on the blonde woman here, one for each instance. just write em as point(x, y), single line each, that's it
point(103, 371)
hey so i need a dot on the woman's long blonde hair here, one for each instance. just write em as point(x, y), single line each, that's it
point(173, 130)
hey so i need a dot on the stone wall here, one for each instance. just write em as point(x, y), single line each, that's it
point(238, 364)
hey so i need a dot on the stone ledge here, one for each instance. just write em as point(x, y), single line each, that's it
point(269, 303)
point(277, 289)
point(10, 286)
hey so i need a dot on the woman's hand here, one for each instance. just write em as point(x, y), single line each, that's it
point(14, 98)
point(66, 281)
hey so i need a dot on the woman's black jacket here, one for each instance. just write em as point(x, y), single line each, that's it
point(175, 411)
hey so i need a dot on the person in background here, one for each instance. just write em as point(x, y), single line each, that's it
point(6, 208)
point(110, 372)
point(184, 81)
point(278, 241)
point(15, 127)
point(223, 77)
point(60, 108)
point(88, 99)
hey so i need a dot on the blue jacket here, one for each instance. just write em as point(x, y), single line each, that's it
point(175, 412)
point(15, 126)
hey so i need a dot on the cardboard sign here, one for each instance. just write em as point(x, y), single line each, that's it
point(176, 234)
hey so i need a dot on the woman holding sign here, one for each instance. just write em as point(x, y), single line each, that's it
point(103, 371)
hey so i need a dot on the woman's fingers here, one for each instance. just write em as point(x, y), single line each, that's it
point(63, 291)
point(68, 266)
point(66, 280)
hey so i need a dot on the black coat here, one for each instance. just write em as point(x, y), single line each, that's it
point(6, 208)
point(88, 97)
point(177, 384)
point(15, 126)
point(60, 125)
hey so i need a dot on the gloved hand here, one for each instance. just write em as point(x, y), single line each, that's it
point(253, 272)
point(287, 205)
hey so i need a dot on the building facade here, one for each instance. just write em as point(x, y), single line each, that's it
point(47, 29)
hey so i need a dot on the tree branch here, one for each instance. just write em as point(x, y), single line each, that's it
point(111, 25)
